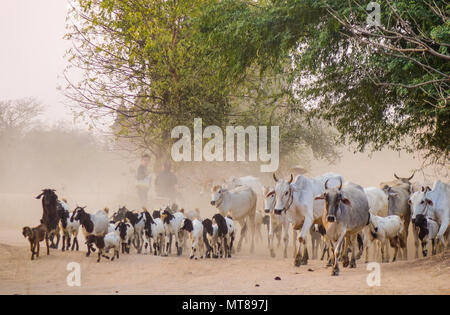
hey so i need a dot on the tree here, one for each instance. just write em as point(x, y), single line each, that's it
point(16, 115)
point(141, 66)
point(379, 86)
point(145, 64)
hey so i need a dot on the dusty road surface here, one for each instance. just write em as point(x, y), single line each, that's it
point(140, 274)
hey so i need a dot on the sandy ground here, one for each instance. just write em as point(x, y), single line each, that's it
point(146, 274)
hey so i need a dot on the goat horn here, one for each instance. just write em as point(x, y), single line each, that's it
point(409, 178)
point(292, 178)
point(326, 184)
point(395, 175)
point(340, 183)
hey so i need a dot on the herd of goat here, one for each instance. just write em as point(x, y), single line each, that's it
point(340, 217)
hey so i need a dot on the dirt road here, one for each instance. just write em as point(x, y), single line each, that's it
point(140, 274)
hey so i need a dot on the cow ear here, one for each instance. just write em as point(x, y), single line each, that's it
point(319, 197)
point(346, 201)
point(428, 201)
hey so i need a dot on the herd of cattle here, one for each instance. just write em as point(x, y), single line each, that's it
point(340, 217)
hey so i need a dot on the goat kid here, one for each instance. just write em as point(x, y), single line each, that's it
point(105, 244)
point(154, 229)
point(126, 233)
point(225, 234)
point(68, 228)
point(195, 230)
point(383, 229)
point(35, 236)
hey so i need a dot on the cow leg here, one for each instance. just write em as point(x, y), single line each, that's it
point(354, 242)
point(344, 252)
point(305, 253)
point(285, 239)
point(243, 225)
point(442, 232)
point(313, 246)
point(337, 253)
point(302, 239)
point(416, 241)
point(298, 255)
point(271, 238)
point(252, 231)
point(294, 238)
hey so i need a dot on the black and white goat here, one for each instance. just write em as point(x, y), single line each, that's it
point(126, 233)
point(154, 229)
point(105, 244)
point(93, 224)
point(172, 225)
point(225, 234)
point(137, 220)
point(195, 230)
point(210, 239)
point(68, 227)
point(428, 230)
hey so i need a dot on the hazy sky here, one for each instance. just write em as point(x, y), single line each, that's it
point(31, 53)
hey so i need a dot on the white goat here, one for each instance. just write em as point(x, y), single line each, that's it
point(383, 229)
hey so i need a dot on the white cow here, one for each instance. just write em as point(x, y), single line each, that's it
point(278, 223)
point(240, 203)
point(296, 199)
point(434, 204)
point(255, 185)
point(249, 181)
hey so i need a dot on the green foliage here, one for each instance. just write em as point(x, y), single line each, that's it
point(377, 86)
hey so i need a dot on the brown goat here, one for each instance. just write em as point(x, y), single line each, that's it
point(35, 236)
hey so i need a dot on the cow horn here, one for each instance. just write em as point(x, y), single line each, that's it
point(395, 175)
point(411, 176)
point(326, 183)
point(292, 178)
point(275, 177)
point(340, 183)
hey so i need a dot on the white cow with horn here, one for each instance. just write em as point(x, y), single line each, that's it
point(240, 203)
point(296, 199)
